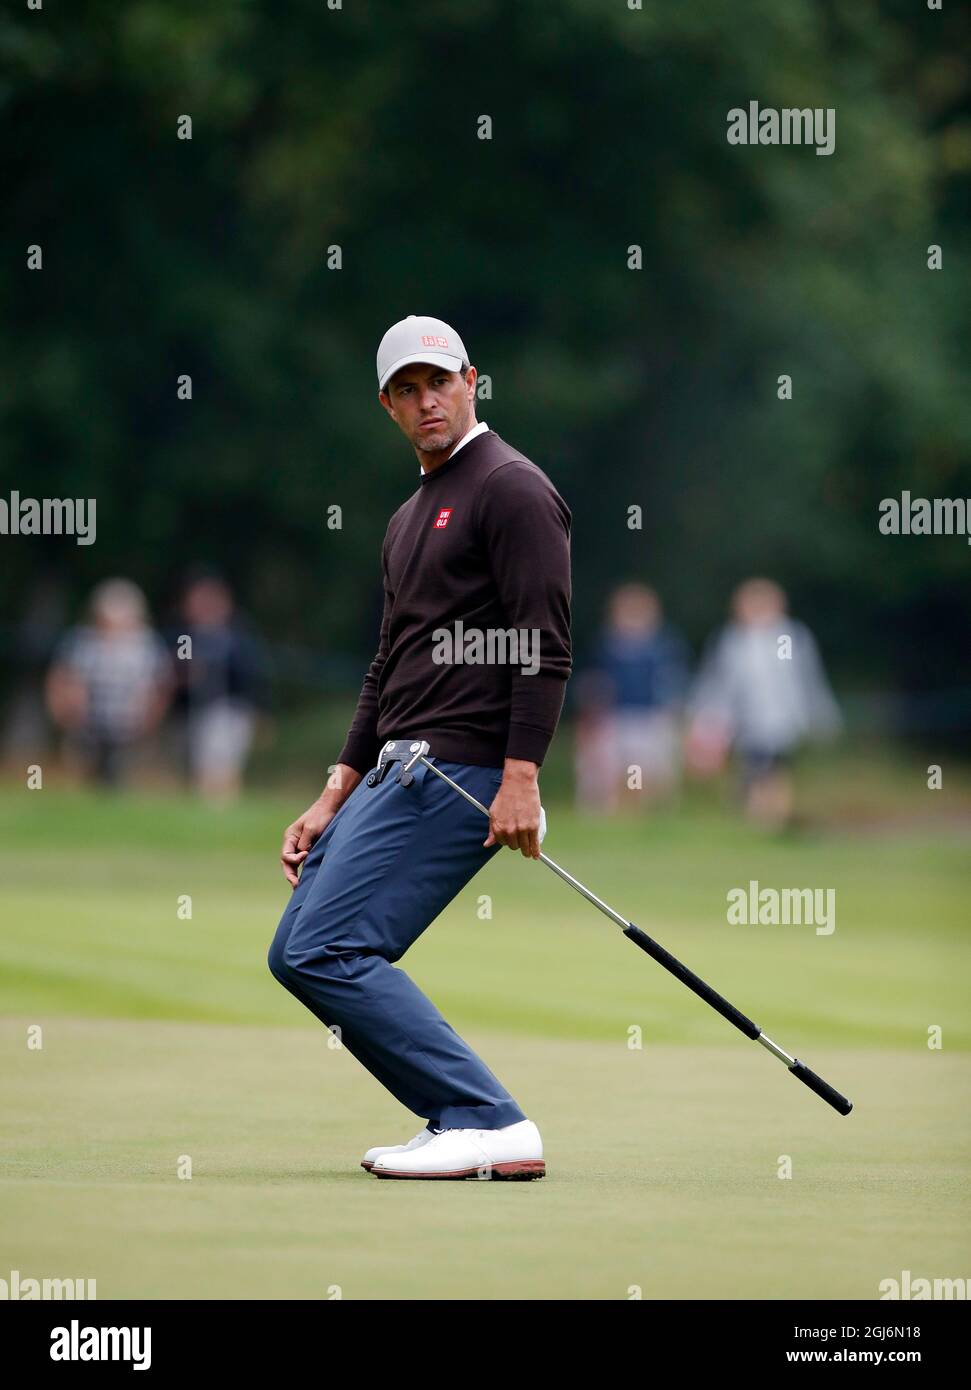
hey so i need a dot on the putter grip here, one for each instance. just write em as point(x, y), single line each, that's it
point(821, 1087)
point(694, 982)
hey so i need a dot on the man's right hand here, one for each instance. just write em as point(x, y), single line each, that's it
point(300, 837)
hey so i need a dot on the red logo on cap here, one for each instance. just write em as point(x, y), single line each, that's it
point(429, 341)
point(443, 516)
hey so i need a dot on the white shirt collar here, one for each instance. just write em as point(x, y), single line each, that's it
point(480, 428)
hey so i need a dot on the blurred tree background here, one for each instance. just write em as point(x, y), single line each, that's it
point(357, 127)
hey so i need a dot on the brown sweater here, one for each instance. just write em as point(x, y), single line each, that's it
point(482, 548)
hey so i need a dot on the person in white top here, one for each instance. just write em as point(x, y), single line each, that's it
point(762, 691)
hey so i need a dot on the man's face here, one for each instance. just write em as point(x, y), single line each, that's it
point(432, 407)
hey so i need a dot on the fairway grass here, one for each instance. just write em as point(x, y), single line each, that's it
point(165, 1039)
point(662, 1171)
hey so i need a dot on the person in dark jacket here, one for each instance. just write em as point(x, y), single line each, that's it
point(627, 729)
point(221, 670)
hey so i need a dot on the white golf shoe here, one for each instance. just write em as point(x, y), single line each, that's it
point(420, 1139)
point(513, 1152)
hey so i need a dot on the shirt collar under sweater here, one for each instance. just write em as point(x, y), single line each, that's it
point(480, 428)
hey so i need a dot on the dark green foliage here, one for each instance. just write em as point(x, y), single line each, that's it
point(314, 127)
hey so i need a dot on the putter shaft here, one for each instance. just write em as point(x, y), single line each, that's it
point(680, 971)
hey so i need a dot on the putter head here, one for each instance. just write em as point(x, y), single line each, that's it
point(405, 751)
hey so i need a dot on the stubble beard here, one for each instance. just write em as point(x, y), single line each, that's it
point(434, 443)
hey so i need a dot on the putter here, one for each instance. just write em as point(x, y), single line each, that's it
point(408, 752)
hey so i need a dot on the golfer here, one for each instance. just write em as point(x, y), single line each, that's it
point(474, 655)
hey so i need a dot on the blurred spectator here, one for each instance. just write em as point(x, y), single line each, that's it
point(110, 681)
point(761, 691)
point(628, 703)
point(221, 686)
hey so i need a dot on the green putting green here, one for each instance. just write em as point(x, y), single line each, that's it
point(165, 1039)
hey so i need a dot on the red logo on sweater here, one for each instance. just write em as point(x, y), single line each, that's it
point(443, 516)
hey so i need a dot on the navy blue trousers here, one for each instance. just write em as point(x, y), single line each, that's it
point(387, 864)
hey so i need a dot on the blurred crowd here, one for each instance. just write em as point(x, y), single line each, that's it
point(644, 718)
point(114, 678)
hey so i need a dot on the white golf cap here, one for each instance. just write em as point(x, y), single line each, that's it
point(419, 338)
